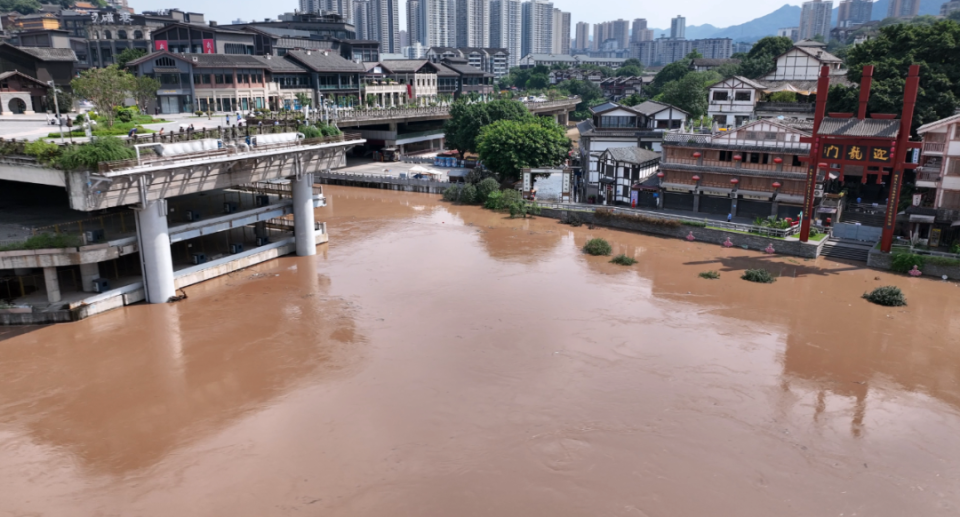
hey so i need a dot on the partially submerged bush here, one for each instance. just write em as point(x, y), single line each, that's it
point(904, 262)
point(597, 247)
point(464, 194)
point(623, 260)
point(103, 149)
point(710, 275)
point(486, 187)
point(888, 296)
point(760, 276)
point(573, 219)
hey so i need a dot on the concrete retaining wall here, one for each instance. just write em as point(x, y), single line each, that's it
point(710, 235)
point(879, 260)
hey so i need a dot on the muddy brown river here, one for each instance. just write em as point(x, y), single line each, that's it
point(437, 360)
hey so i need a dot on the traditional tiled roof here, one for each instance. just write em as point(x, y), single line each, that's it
point(279, 64)
point(939, 123)
point(634, 155)
point(320, 61)
point(6, 75)
point(877, 128)
point(49, 54)
point(652, 107)
point(222, 60)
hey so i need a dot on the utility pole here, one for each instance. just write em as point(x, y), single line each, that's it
point(56, 105)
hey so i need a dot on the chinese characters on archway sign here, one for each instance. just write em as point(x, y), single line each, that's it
point(857, 153)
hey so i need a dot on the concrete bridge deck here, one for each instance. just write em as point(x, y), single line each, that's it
point(406, 115)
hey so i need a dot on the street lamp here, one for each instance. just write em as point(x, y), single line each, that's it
point(56, 106)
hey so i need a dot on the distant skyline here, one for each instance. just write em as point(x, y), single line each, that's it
point(658, 14)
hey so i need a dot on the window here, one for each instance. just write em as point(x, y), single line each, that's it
point(743, 96)
point(164, 61)
point(616, 122)
point(796, 161)
point(218, 78)
point(726, 156)
point(954, 168)
point(721, 120)
point(229, 78)
point(107, 35)
point(721, 96)
point(197, 79)
point(956, 132)
point(205, 78)
point(137, 34)
point(121, 34)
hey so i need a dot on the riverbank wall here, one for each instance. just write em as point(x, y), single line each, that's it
point(709, 235)
point(880, 260)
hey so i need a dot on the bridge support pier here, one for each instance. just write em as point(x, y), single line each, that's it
point(52, 283)
point(89, 273)
point(155, 258)
point(303, 218)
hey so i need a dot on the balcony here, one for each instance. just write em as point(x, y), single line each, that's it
point(787, 107)
point(933, 147)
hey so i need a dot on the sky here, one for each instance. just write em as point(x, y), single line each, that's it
point(657, 13)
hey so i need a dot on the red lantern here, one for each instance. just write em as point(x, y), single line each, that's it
point(696, 178)
point(822, 165)
point(737, 157)
point(660, 174)
point(697, 155)
point(778, 161)
point(734, 181)
point(776, 184)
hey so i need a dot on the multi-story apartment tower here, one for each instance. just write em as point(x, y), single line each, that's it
point(678, 28)
point(640, 31)
point(561, 32)
point(415, 28)
point(621, 33)
point(363, 19)
point(815, 19)
point(473, 23)
point(903, 8)
point(506, 28)
point(537, 27)
point(386, 15)
point(583, 36)
point(439, 23)
point(851, 13)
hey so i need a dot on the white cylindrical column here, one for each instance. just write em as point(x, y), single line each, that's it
point(53, 284)
point(88, 274)
point(303, 223)
point(155, 251)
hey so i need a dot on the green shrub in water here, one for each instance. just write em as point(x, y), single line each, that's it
point(760, 276)
point(597, 247)
point(710, 275)
point(485, 188)
point(888, 296)
point(624, 260)
point(904, 262)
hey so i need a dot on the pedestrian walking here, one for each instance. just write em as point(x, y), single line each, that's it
point(730, 218)
point(132, 133)
point(161, 132)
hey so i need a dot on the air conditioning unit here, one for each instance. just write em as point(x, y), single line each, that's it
point(92, 236)
point(229, 208)
point(193, 215)
point(263, 200)
point(101, 285)
point(199, 258)
point(236, 248)
point(262, 241)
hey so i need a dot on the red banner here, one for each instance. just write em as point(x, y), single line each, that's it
point(159, 45)
point(208, 47)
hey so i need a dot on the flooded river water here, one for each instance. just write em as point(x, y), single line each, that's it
point(437, 360)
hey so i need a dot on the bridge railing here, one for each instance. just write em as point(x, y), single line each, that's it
point(436, 111)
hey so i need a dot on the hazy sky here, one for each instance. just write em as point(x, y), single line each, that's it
point(657, 13)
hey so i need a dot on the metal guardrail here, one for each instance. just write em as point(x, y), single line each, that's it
point(713, 223)
point(376, 178)
point(917, 251)
point(434, 111)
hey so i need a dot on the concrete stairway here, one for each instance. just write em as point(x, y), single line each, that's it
point(846, 250)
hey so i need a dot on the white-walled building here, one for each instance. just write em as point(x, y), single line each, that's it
point(803, 63)
point(732, 101)
point(938, 176)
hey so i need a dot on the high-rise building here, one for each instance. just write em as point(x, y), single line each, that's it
point(473, 23)
point(506, 28)
point(815, 19)
point(583, 36)
point(342, 7)
point(415, 28)
point(363, 19)
point(598, 34)
point(386, 14)
point(789, 32)
point(903, 8)
point(678, 28)
point(949, 8)
point(404, 40)
point(537, 27)
point(621, 33)
point(640, 31)
point(851, 13)
point(439, 23)
point(561, 32)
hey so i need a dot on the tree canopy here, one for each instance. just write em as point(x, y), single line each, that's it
point(590, 95)
point(129, 54)
point(689, 93)
point(106, 88)
point(629, 71)
point(20, 6)
point(896, 47)
point(467, 119)
point(507, 146)
point(672, 72)
point(762, 58)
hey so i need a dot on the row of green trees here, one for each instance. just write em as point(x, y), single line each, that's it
point(506, 136)
point(107, 88)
